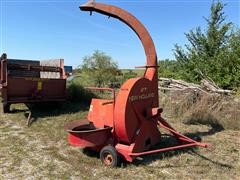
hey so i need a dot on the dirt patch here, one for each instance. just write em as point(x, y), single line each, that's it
point(195, 107)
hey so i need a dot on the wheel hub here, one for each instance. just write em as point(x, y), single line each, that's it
point(108, 159)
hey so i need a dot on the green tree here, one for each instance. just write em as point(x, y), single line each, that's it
point(211, 53)
point(129, 74)
point(169, 69)
point(101, 68)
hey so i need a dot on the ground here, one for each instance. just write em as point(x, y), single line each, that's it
point(42, 151)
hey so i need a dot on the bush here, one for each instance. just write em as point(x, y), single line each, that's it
point(169, 69)
point(76, 92)
point(127, 75)
point(213, 52)
point(101, 68)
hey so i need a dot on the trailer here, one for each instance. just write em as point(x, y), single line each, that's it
point(28, 81)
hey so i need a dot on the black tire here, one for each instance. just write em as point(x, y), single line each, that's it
point(6, 108)
point(109, 156)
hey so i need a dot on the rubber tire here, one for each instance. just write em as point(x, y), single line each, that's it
point(112, 151)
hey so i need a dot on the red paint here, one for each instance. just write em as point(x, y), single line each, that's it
point(20, 89)
point(134, 115)
point(85, 134)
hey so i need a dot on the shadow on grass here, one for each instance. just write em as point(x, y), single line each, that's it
point(35, 111)
point(169, 141)
point(214, 129)
point(210, 160)
point(90, 153)
point(79, 99)
point(166, 141)
point(160, 156)
point(42, 110)
point(56, 109)
point(206, 119)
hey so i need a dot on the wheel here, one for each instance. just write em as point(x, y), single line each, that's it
point(109, 156)
point(6, 108)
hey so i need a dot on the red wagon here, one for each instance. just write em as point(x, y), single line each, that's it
point(27, 81)
point(128, 125)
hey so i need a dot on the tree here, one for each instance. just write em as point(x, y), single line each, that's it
point(212, 53)
point(129, 74)
point(169, 69)
point(101, 68)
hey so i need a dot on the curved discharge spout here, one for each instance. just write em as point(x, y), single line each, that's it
point(137, 27)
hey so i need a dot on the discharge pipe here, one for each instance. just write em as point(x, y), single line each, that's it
point(139, 29)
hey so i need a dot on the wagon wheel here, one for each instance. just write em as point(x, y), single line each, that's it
point(109, 156)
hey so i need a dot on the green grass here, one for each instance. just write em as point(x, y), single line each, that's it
point(42, 151)
point(237, 92)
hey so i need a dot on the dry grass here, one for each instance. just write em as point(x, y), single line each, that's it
point(197, 107)
point(42, 151)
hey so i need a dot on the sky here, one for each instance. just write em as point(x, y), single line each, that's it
point(48, 29)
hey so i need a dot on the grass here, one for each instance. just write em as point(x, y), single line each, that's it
point(197, 107)
point(237, 92)
point(42, 151)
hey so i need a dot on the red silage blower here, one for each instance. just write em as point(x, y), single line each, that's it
point(128, 125)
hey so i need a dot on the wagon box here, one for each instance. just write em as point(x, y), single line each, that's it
point(27, 81)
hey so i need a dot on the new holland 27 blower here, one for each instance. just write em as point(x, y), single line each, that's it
point(128, 125)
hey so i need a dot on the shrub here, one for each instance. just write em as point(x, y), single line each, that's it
point(77, 92)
